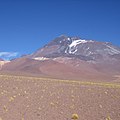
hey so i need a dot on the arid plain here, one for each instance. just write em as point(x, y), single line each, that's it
point(34, 98)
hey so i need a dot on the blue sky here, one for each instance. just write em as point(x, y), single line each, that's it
point(27, 25)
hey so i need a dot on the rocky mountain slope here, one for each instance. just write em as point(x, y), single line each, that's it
point(87, 50)
point(70, 58)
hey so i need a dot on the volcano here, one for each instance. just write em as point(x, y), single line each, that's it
point(70, 58)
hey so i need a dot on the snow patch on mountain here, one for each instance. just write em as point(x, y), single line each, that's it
point(76, 42)
point(113, 50)
point(73, 45)
point(41, 58)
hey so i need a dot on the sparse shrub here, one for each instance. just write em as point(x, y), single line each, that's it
point(75, 116)
point(108, 118)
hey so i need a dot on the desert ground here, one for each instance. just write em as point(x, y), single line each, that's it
point(34, 98)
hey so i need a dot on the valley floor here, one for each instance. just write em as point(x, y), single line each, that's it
point(31, 98)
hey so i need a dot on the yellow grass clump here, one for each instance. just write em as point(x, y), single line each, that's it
point(108, 118)
point(75, 116)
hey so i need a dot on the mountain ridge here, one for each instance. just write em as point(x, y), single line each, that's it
point(70, 58)
point(74, 46)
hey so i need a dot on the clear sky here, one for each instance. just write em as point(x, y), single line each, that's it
point(26, 25)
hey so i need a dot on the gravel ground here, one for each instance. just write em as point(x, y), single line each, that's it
point(29, 98)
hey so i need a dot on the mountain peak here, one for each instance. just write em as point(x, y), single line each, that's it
point(65, 37)
point(76, 47)
point(71, 56)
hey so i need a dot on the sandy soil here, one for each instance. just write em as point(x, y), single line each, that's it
point(30, 98)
